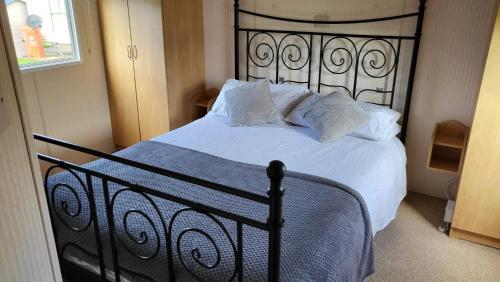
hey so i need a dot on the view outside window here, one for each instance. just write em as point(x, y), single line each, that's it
point(43, 32)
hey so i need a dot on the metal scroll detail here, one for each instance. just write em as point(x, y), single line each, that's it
point(141, 233)
point(273, 52)
point(338, 58)
point(199, 258)
point(295, 51)
point(345, 62)
point(378, 61)
point(262, 48)
point(70, 201)
point(138, 227)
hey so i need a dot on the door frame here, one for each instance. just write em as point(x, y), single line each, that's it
point(30, 146)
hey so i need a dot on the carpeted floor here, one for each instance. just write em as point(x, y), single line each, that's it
point(412, 249)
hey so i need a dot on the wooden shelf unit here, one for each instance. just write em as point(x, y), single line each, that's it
point(447, 150)
point(202, 103)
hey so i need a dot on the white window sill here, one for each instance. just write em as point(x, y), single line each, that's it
point(50, 66)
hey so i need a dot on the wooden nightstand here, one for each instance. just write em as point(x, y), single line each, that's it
point(448, 146)
point(202, 103)
point(446, 154)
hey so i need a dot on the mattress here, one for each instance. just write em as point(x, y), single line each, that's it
point(376, 170)
point(326, 235)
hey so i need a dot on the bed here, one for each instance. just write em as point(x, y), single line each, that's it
point(214, 202)
point(376, 170)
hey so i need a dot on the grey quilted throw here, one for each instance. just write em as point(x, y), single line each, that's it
point(326, 234)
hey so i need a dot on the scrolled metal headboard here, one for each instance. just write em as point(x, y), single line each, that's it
point(341, 60)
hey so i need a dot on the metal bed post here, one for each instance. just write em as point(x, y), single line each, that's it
point(411, 77)
point(275, 172)
point(236, 39)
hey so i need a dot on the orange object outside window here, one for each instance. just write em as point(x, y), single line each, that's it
point(33, 42)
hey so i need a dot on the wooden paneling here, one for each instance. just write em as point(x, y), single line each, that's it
point(478, 203)
point(183, 24)
point(24, 247)
point(151, 84)
point(120, 71)
point(451, 60)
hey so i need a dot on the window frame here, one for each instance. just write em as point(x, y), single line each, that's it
point(73, 33)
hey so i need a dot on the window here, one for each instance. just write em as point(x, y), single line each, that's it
point(44, 32)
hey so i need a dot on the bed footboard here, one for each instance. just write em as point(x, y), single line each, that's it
point(81, 202)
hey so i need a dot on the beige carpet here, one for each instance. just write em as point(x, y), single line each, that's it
point(412, 249)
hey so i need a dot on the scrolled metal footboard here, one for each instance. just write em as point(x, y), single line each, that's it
point(144, 231)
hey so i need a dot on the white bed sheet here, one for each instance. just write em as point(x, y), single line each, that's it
point(377, 170)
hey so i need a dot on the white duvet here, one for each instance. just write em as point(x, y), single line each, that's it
point(377, 170)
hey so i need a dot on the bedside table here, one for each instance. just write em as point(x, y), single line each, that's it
point(448, 146)
point(202, 104)
point(446, 154)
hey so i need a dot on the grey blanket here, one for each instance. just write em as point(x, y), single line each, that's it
point(326, 235)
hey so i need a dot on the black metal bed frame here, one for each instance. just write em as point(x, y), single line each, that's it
point(275, 49)
point(59, 211)
point(275, 172)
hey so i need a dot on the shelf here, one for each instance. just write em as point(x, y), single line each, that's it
point(448, 147)
point(202, 101)
point(449, 141)
point(444, 164)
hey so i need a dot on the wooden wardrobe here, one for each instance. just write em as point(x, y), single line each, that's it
point(477, 212)
point(154, 58)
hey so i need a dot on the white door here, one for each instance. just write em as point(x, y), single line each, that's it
point(24, 248)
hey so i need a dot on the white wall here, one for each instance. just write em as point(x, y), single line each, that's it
point(71, 102)
point(454, 44)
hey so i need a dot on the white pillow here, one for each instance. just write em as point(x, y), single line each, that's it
point(219, 106)
point(285, 97)
point(383, 114)
point(381, 124)
point(367, 132)
point(250, 104)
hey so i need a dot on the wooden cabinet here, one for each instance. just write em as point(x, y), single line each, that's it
point(121, 81)
point(147, 95)
point(477, 212)
point(203, 102)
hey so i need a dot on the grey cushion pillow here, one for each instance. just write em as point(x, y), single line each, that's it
point(296, 115)
point(250, 104)
point(334, 116)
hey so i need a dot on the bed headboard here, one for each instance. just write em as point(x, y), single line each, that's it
point(370, 67)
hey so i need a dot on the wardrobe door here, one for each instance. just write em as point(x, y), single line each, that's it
point(114, 15)
point(151, 81)
point(477, 212)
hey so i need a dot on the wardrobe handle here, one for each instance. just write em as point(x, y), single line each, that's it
point(134, 52)
point(129, 52)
